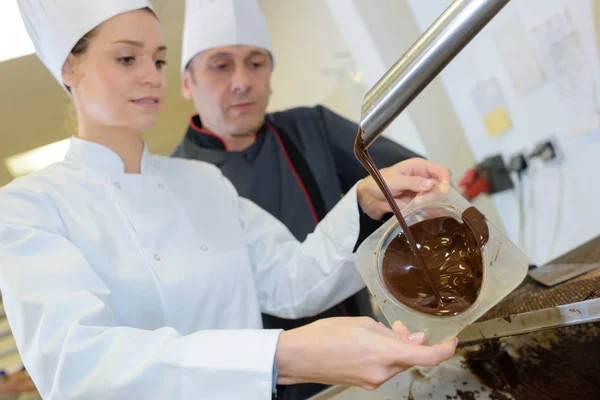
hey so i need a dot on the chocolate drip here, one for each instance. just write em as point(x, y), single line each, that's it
point(435, 266)
point(365, 159)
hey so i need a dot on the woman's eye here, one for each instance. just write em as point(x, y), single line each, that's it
point(126, 60)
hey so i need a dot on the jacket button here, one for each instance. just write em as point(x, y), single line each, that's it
point(117, 185)
point(203, 248)
point(161, 186)
point(157, 257)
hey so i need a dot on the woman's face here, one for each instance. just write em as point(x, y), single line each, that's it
point(119, 80)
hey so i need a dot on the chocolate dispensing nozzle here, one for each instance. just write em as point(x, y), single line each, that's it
point(426, 58)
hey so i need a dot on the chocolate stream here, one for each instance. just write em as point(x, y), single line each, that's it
point(434, 266)
point(365, 159)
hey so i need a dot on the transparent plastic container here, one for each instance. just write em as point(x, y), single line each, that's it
point(504, 267)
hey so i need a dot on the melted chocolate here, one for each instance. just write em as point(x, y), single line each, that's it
point(452, 253)
point(435, 266)
point(365, 159)
point(476, 222)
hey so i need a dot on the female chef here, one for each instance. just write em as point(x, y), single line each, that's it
point(128, 275)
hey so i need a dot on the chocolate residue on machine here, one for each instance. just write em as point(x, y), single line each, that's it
point(452, 252)
point(492, 365)
point(555, 364)
point(466, 395)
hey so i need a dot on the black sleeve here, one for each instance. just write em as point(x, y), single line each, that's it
point(368, 226)
point(341, 133)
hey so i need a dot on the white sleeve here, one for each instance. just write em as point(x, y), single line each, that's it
point(296, 279)
point(74, 347)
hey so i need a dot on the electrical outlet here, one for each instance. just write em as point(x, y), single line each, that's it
point(518, 163)
point(544, 151)
point(496, 172)
point(547, 150)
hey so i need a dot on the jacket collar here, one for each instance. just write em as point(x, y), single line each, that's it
point(100, 158)
point(203, 138)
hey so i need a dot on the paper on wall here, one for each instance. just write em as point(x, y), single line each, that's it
point(564, 62)
point(492, 107)
point(517, 52)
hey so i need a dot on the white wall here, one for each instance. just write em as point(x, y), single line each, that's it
point(358, 36)
point(378, 36)
point(535, 116)
point(308, 49)
point(300, 53)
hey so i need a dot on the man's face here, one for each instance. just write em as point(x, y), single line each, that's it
point(230, 87)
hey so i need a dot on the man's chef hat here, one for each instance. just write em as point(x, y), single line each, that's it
point(214, 23)
point(55, 26)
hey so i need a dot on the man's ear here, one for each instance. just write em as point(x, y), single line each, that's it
point(186, 84)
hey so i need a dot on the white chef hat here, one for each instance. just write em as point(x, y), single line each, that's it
point(215, 23)
point(55, 26)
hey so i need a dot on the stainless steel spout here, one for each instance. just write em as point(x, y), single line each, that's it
point(427, 57)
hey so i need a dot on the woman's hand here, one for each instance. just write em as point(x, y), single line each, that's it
point(353, 351)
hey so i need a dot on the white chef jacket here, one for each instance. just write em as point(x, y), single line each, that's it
point(151, 285)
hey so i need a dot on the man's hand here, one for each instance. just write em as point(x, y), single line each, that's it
point(353, 351)
point(405, 180)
